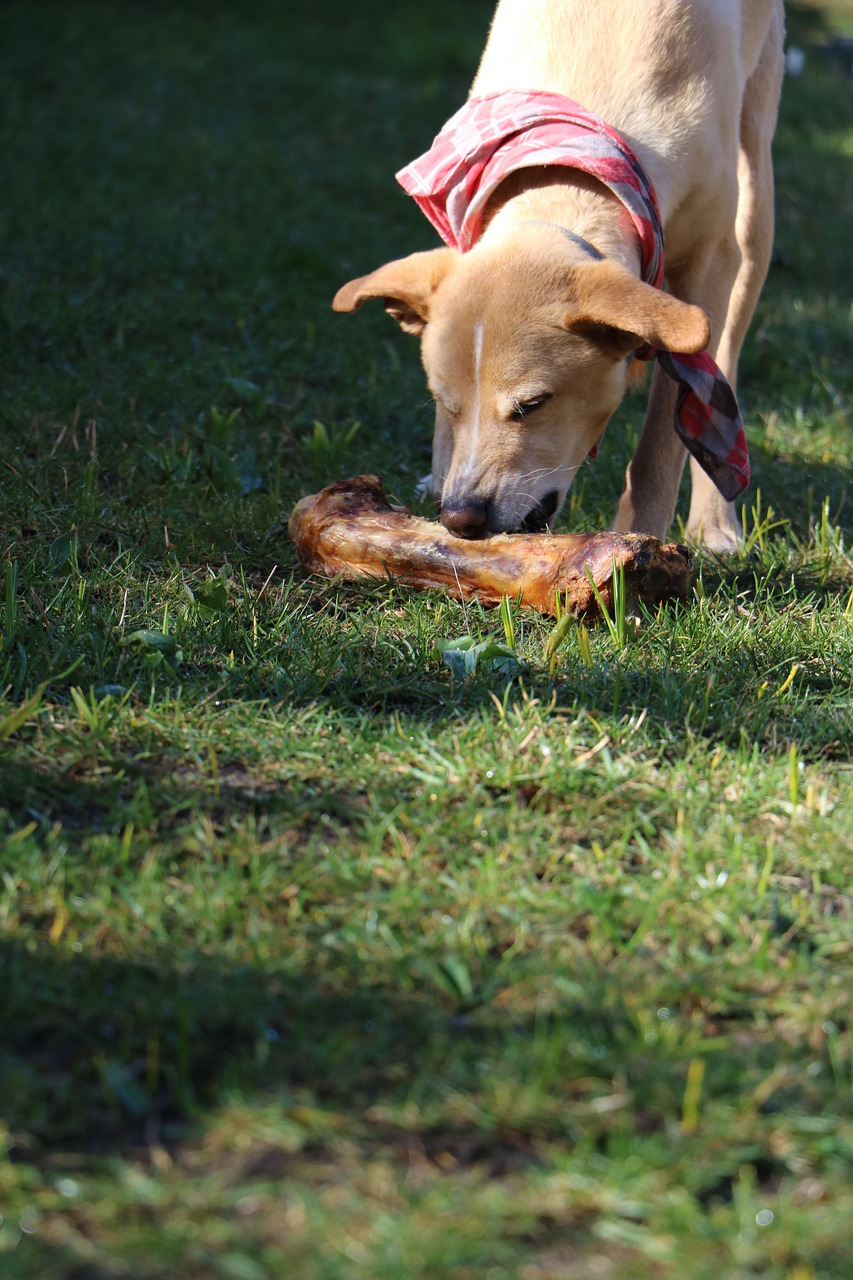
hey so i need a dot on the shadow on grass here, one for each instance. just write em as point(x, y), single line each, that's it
point(103, 1055)
point(110, 1055)
point(104, 1058)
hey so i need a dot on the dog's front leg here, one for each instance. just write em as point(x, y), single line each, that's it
point(647, 504)
point(652, 480)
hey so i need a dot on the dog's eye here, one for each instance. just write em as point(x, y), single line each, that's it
point(524, 407)
point(451, 407)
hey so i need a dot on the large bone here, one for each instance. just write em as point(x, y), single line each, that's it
point(349, 529)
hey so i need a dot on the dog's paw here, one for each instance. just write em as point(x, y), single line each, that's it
point(721, 540)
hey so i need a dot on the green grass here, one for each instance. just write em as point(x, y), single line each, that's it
point(319, 960)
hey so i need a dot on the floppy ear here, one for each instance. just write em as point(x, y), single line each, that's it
point(629, 313)
point(405, 287)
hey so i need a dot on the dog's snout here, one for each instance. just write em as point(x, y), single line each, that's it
point(466, 518)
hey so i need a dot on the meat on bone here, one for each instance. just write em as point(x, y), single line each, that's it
point(349, 529)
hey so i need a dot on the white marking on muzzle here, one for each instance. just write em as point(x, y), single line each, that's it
point(478, 359)
point(468, 471)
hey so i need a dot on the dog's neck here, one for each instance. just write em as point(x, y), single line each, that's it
point(571, 201)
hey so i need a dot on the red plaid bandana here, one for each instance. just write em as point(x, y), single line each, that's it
point(493, 135)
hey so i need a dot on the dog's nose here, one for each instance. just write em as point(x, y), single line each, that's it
point(467, 518)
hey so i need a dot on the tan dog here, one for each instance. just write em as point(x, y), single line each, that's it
point(525, 337)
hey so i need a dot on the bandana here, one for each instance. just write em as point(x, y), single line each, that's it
point(492, 136)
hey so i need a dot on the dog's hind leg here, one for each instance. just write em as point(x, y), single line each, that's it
point(712, 521)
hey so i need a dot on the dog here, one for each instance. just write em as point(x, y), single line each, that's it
point(596, 136)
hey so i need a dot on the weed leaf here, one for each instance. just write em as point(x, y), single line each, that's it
point(222, 470)
point(454, 977)
point(155, 640)
point(63, 553)
point(466, 657)
point(245, 390)
point(213, 595)
point(157, 648)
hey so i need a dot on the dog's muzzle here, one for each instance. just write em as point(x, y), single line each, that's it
point(538, 518)
point(471, 517)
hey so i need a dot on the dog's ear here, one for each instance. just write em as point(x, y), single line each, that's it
point(625, 313)
point(405, 287)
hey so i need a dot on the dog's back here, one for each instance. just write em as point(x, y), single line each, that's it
point(642, 65)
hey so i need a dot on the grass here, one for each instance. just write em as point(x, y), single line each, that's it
point(321, 957)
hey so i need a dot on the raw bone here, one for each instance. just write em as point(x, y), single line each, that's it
point(349, 529)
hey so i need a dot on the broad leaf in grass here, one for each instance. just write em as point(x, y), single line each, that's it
point(467, 657)
point(63, 553)
point(157, 648)
point(454, 977)
point(222, 470)
point(213, 595)
point(246, 390)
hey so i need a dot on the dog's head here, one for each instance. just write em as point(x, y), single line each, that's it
point(526, 352)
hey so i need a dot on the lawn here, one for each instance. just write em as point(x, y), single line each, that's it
point(320, 959)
